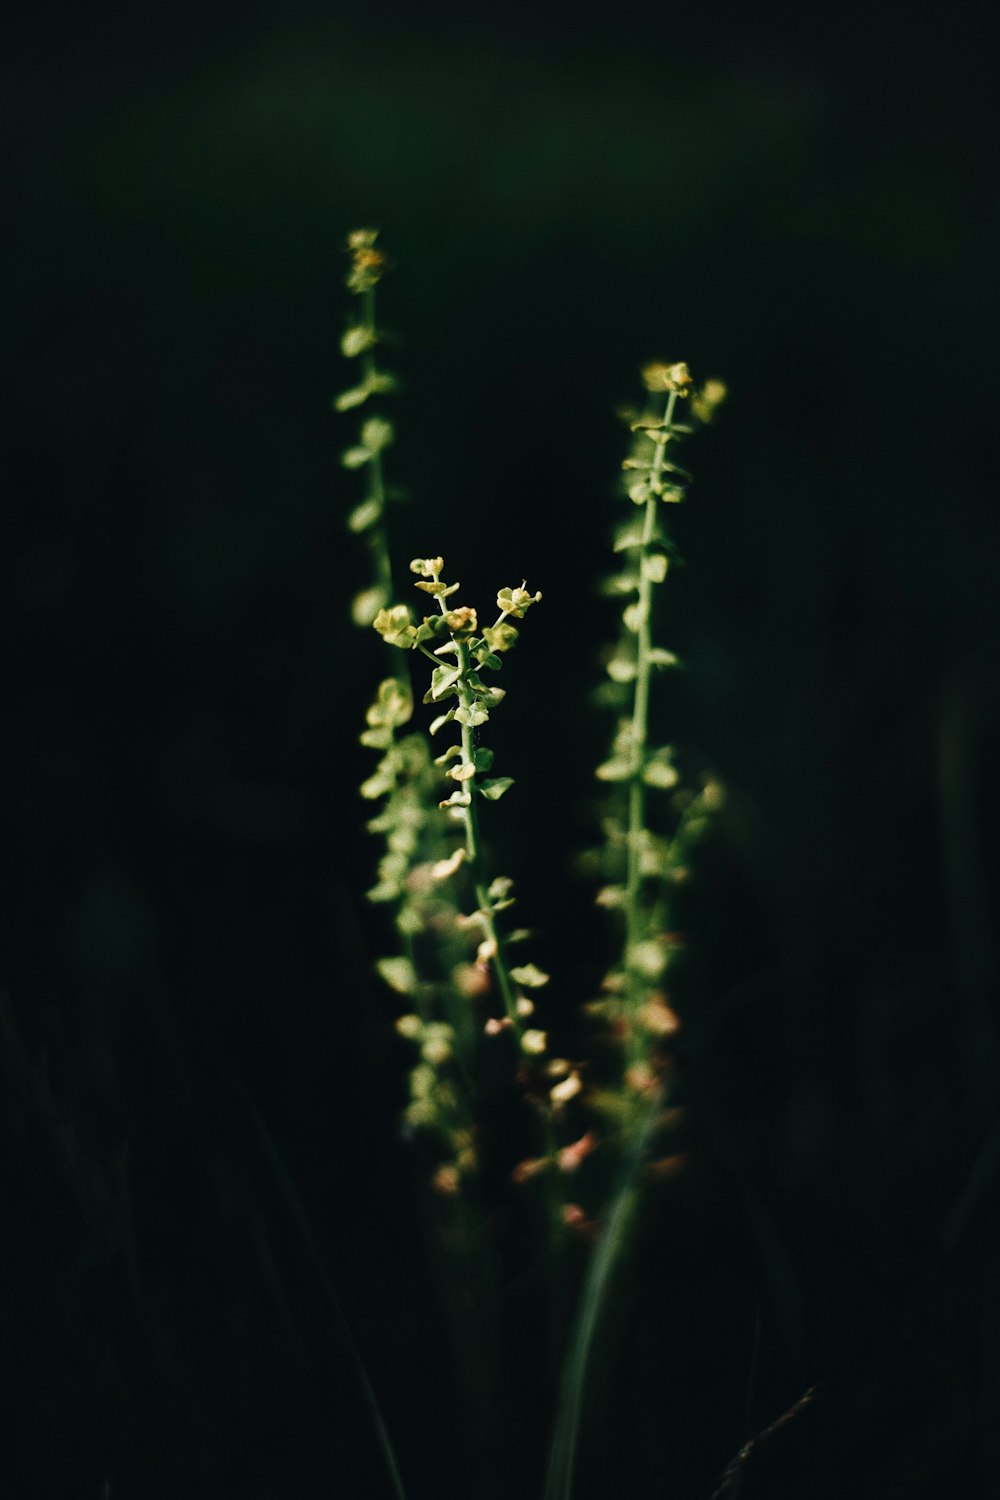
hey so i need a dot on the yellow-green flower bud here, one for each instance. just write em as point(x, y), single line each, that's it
point(664, 377)
point(395, 627)
point(708, 399)
point(516, 601)
point(461, 621)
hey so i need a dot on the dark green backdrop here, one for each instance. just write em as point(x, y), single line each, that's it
point(800, 206)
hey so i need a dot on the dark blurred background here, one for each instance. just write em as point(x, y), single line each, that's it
point(201, 1168)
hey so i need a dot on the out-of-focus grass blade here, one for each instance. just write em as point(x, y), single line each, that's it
point(562, 1455)
point(976, 1188)
point(275, 1162)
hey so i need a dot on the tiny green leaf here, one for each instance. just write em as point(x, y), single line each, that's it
point(457, 799)
point(398, 974)
point(620, 583)
point(614, 770)
point(356, 340)
point(622, 669)
point(437, 587)
point(377, 434)
point(444, 869)
point(494, 790)
point(441, 721)
point(377, 785)
point(442, 678)
point(473, 716)
point(430, 628)
point(648, 958)
point(500, 637)
point(393, 703)
point(530, 975)
point(382, 383)
point(431, 697)
point(611, 896)
point(384, 891)
point(629, 535)
point(364, 515)
point(395, 627)
point(366, 605)
point(348, 399)
point(484, 759)
point(353, 458)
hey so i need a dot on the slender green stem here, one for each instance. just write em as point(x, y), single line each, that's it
point(634, 916)
point(379, 540)
point(368, 369)
point(470, 819)
point(474, 855)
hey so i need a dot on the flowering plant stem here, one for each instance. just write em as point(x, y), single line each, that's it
point(454, 964)
point(634, 919)
point(379, 540)
point(470, 819)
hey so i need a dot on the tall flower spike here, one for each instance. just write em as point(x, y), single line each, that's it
point(460, 655)
point(641, 862)
point(405, 780)
point(635, 1007)
point(360, 341)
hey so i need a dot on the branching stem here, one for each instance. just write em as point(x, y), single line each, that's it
point(470, 819)
point(474, 855)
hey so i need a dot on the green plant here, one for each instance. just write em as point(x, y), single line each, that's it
point(454, 966)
